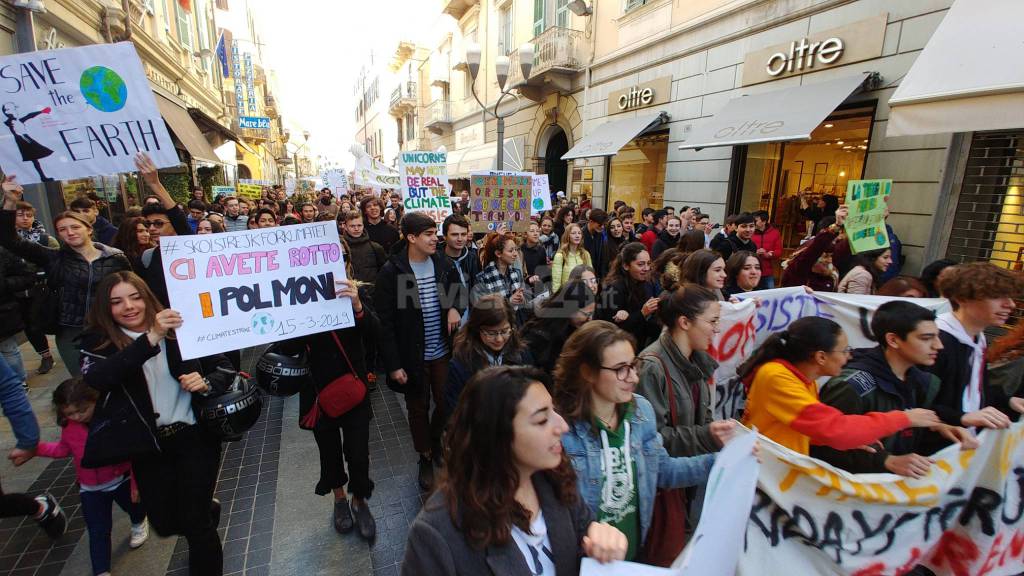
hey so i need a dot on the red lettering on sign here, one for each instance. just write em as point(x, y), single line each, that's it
point(876, 569)
point(956, 550)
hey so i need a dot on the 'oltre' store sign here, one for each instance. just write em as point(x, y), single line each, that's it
point(844, 45)
point(657, 91)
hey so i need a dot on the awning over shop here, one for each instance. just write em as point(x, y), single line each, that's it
point(970, 75)
point(179, 121)
point(608, 138)
point(780, 115)
point(484, 157)
point(204, 121)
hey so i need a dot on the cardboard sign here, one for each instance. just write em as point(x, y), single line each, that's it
point(337, 180)
point(541, 194)
point(222, 191)
point(78, 112)
point(250, 191)
point(424, 177)
point(252, 287)
point(499, 198)
point(865, 225)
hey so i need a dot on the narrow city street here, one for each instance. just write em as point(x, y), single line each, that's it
point(271, 521)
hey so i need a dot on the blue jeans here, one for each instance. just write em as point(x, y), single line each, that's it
point(17, 409)
point(97, 508)
point(12, 354)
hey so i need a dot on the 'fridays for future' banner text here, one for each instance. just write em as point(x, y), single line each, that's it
point(78, 112)
point(240, 289)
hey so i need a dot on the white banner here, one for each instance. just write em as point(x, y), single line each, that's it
point(372, 173)
point(746, 325)
point(78, 112)
point(424, 177)
point(965, 518)
point(241, 289)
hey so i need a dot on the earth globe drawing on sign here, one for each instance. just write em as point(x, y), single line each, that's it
point(103, 89)
point(262, 323)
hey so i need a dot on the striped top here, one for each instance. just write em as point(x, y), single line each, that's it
point(434, 345)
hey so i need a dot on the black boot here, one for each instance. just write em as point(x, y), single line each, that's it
point(426, 474)
point(342, 517)
point(53, 521)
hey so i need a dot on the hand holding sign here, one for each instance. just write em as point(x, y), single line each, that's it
point(165, 321)
point(147, 169)
point(348, 289)
point(13, 192)
point(604, 543)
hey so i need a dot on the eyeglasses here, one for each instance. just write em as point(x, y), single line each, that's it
point(151, 223)
point(493, 334)
point(622, 372)
point(847, 351)
point(714, 323)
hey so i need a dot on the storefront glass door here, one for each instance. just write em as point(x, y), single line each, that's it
point(637, 172)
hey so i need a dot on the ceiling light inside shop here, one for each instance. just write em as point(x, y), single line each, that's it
point(829, 125)
point(842, 173)
point(839, 142)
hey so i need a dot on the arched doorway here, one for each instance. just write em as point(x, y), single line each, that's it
point(556, 168)
point(244, 172)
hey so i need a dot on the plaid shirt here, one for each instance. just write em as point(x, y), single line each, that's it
point(491, 281)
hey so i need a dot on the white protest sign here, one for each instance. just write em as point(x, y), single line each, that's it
point(424, 177)
point(337, 180)
point(591, 567)
point(714, 549)
point(374, 174)
point(289, 187)
point(541, 194)
point(964, 518)
point(745, 326)
point(77, 112)
point(241, 289)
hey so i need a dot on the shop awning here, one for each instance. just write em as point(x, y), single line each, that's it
point(179, 121)
point(780, 115)
point(970, 75)
point(204, 121)
point(608, 138)
point(484, 157)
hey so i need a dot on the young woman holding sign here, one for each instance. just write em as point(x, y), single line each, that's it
point(128, 345)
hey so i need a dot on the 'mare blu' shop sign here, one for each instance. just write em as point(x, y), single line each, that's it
point(77, 112)
point(255, 122)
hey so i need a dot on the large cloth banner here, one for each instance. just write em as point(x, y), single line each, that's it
point(425, 187)
point(77, 112)
point(965, 518)
point(372, 173)
point(240, 289)
point(744, 326)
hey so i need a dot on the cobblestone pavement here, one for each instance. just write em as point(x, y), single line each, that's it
point(271, 521)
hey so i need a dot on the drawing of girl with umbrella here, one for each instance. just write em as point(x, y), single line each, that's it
point(31, 150)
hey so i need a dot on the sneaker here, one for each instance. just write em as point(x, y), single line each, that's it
point(426, 474)
point(215, 512)
point(52, 519)
point(140, 533)
point(45, 365)
point(342, 517)
point(364, 519)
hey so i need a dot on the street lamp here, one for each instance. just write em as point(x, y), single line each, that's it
point(295, 153)
point(502, 65)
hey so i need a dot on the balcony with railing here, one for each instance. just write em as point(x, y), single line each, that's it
point(558, 55)
point(403, 99)
point(439, 116)
point(457, 8)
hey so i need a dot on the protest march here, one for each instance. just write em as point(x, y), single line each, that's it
point(760, 330)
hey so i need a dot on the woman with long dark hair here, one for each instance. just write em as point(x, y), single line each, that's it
point(743, 271)
point(508, 498)
point(129, 343)
point(782, 394)
point(489, 338)
point(613, 438)
point(566, 215)
point(557, 318)
point(866, 273)
point(617, 236)
point(631, 300)
point(705, 268)
point(133, 239)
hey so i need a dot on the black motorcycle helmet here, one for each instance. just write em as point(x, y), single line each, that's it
point(232, 413)
point(281, 375)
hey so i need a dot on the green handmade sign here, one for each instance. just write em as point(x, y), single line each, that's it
point(865, 225)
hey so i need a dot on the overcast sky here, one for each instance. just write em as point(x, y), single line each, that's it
point(316, 48)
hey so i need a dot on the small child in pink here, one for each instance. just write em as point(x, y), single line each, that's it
point(74, 402)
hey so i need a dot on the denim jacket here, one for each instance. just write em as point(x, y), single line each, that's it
point(655, 468)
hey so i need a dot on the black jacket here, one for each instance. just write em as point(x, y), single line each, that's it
point(382, 233)
point(397, 303)
point(597, 246)
point(103, 231)
point(65, 269)
point(326, 362)
point(459, 373)
point(15, 278)
point(467, 265)
point(437, 547)
point(664, 242)
point(366, 256)
point(535, 260)
point(726, 246)
point(868, 384)
point(106, 368)
point(953, 367)
point(544, 340)
point(615, 297)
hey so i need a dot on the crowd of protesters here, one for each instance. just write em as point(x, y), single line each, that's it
point(555, 378)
